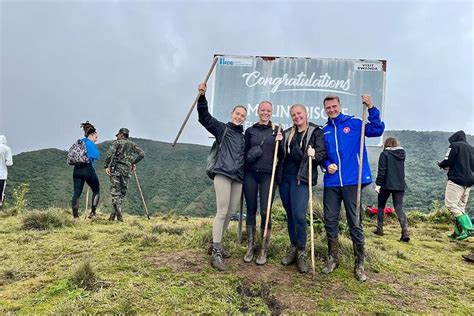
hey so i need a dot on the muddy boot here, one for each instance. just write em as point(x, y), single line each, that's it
point(217, 261)
point(290, 257)
point(301, 264)
point(75, 211)
point(333, 256)
point(405, 237)
point(118, 212)
point(250, 244)
point(378, 230)
point(262, 258)
point(225, 253)
point(359, 262)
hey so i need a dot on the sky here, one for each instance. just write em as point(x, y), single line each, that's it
point(136, 64)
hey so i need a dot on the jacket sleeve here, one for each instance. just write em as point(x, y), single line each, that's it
point(92, 151)
point(382, 169)
point(449, 158)
point(140, 155)
point(319, 146)
point(375, 126)
point(8, 157)
point(211, 124)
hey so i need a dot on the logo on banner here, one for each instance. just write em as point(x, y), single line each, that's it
point(236, 61)
point(361, 66)
point(346, 130)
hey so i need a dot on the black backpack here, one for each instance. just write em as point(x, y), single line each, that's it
point(77, 154)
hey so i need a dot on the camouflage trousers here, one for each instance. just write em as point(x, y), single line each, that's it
point(118, 186)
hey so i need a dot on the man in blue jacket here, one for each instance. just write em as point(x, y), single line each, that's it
point(342, 138)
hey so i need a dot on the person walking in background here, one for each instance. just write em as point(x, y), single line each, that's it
point(85, 173)
point(120, 162)
point(391, 181)
point(302, 141)
point(259, 150)
point(459, 161)
point(228, 169)
point(342, 135)
point(6, 160)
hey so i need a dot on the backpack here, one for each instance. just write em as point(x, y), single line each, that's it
point(212, 157)
point(77, 154)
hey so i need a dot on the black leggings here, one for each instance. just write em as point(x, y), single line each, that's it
point(397, 198)
point(255, 184)
point(85, 173)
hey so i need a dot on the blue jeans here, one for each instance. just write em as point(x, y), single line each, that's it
point(294, 197)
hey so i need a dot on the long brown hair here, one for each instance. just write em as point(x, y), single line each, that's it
point(88, 128)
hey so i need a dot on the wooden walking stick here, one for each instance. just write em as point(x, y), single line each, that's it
point(310, 202)
point(141, 194)
point(87, 202)
point(195, 101)
point(270, 194)
point(241, 211)
point(361, 160)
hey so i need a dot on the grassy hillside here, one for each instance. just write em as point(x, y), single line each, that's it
point(174, 180)
point(161, 266)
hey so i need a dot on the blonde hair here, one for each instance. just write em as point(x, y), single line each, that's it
point(294, 128)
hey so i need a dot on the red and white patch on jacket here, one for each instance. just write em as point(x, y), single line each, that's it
point(346, 129)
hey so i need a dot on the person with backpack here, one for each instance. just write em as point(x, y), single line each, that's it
point(391, 181)
point(303, 141)
point(6, 160)
point(459, 161)
point(259, 151)
point(228, 169)
point(120, 162)
point(85, 172)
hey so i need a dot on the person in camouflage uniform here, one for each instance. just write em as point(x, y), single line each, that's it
point(120, 162)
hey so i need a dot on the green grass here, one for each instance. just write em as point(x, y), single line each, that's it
point(161, 266)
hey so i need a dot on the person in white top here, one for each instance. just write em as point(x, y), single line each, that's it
point(6, 160)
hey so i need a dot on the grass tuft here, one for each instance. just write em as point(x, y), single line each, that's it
point(44, 220)
point(84, 276)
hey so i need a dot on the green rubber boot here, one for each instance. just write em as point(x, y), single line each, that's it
point(457, 230)
point(466, 225)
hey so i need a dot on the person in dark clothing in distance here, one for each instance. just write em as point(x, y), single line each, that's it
point(259, 151)
point(391, 181)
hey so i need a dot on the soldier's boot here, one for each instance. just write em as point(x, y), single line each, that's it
point(262, 258)
point(301, 264)
point(290, 257)
point(333, 256)
point(250, 243)
point(217, 261)
point(405, 233)
point(118, 212)
point(75, 211)
point(359, 254)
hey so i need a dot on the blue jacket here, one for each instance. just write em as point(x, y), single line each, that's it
point(342, 140)
point(92, 151)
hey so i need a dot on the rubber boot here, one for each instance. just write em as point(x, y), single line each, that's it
point(457, 230)
point(378, 230)
point(359, 262)
point(75, 211)
point(118, 212)
point(250, 243)
point(217, 261)
point(262, 257)
point(290, 257)
point(301, 264)
point(333, 256)
point(466, 225)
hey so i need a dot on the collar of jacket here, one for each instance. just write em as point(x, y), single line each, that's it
point(340, 118)
point(263, 126)
point(237, 128)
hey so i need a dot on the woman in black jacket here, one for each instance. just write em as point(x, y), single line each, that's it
point(391, 180)
point(259, 150)
point(228, 170)
point(294, 190)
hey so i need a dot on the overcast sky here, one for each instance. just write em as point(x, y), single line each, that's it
point(136, 64)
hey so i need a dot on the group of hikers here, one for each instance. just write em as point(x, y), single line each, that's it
point(247, 162)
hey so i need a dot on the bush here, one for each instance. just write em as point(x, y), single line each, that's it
point(415, 217)
point(44, 220)
point(441, 215)
point(84, 276)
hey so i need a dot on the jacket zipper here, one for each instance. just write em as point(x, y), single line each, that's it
point(337, 151)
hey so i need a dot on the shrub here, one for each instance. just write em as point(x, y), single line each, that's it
point(44, 220)
point(19, 196)
point(415, 217)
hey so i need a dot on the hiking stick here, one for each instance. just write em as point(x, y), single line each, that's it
point(87, 202)
point(361, 160)
point(141, 194)
point(310, 184)
point(241, 211)
point(195, 101)
point(270, 193)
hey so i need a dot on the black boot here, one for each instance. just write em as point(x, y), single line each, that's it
point(95, 202)
point(92, 213)
point(301, 264)
point(262, 258)
point(75, 211)
point(250, 243)
point(333, 256)
point(217, 261)
point(290, 257)
point(112, 216)
point(118, 212)
point(378, 230)
point(405, 234)
point(359, 262)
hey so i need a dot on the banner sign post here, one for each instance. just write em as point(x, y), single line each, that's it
point(284, 81)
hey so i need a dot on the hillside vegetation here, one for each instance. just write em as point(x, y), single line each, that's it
point(174, 180)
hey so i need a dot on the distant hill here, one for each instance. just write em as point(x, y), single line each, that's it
point(173, 179)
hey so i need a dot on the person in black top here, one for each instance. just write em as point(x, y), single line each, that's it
point(294, 190)
point(391, 181)
point(228, 170)
point(259, 150)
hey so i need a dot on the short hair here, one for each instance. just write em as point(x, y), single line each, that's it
point(331, 97)
point(239, 106)
point(391, 142)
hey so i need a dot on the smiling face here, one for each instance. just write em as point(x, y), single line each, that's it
point(299, 115)
point(332, 108)
point(238, 115)
point(265, 112)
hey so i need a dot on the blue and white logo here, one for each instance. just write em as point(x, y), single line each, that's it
point(236, 61)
